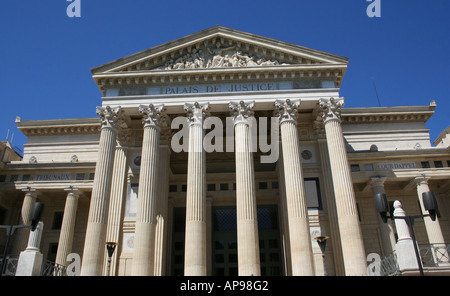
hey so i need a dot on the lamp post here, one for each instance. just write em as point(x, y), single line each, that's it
point(36, 214)
point(322, 242)
point(110, 247)
point(430, 205)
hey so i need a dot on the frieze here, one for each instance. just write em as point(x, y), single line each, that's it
point(218, 57)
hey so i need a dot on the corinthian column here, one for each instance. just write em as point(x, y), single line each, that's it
point(352, 243)
point(195, 243)
point(94, 245)
point(67, 226)
point(144, 241)
point(301, 250)
point(247, 220)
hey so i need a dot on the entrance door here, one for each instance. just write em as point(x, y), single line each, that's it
point(224, 241)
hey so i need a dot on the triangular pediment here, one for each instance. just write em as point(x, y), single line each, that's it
point(219, 53)
point(219, 47)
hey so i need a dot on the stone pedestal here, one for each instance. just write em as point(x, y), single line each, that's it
point(30, 260)
point(406, 256)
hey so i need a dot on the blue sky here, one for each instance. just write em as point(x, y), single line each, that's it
point(46, 57)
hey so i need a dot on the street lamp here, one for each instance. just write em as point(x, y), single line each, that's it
point(322, 242)
point(110, 247)
point(430, 205)
point(36, 214)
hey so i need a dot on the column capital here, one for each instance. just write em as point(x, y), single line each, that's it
point(422, 179)
point(331, 108)
point(30, 191)
point(241, 111)
point(196, 112)
point(72, 190)
point(109, 116)
point(151, 114)
point(286, 110)
point(377, 180)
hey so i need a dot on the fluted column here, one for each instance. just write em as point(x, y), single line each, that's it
point(144, 241)
point(195, 242)
point(433, 228)
point(94, 246)
point(67, 226)
point(247, 218)
point(23, 234)
point(162, 205)
point(349, 227)
point(118, 195)
point(335, 238)
point(386, 231)
point(301, 250)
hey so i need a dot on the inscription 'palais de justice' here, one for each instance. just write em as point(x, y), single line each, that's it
point(219, 88)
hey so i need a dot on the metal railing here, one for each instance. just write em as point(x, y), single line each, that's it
point(389, 266)
point(52, 269)
point(11, 265)
point(435, 254)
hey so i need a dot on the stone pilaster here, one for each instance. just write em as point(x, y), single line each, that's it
point(247, 219)
point(195, 242)
point(118, 195)
point(349, 227)
point(386, 231)
point(144, 242)
point(335, 238)
point(300, 240)
point(67, 226)
point(162, 206)
point(94, 246)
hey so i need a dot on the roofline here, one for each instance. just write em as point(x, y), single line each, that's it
point(210, 32)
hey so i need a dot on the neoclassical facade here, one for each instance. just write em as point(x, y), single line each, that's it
point(228, 153)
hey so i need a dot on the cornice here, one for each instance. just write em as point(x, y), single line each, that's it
point(59, 126)
point(388, 114)
point(135, 78)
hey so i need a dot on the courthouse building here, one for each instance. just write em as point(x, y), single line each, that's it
point(226, 153)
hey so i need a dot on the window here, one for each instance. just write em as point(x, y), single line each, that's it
point(355, 168)
point(80, 176)
point(312, 190)
point(172, 188)
point(26, 177)
point(425, 164)
point(224, 186)
point(438, 164)
point(211, 187)
point(262, 185)
point(275, 185)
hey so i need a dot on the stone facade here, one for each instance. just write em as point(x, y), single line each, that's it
point(227, 153)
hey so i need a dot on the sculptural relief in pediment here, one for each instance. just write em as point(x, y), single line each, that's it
point(218, 56)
